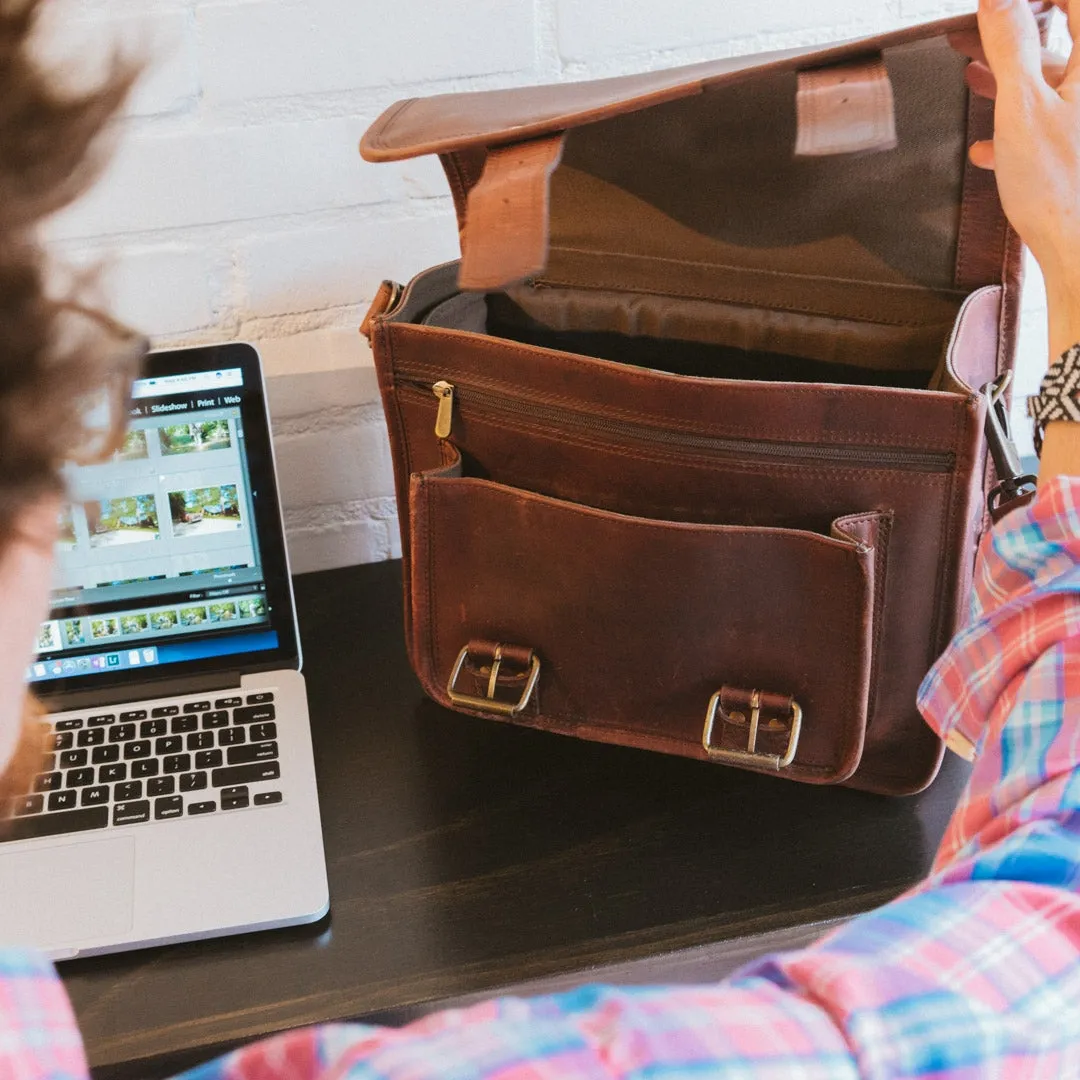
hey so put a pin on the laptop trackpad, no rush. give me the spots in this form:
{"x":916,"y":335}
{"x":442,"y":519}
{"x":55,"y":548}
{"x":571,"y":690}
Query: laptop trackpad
{"x":60,"y":896}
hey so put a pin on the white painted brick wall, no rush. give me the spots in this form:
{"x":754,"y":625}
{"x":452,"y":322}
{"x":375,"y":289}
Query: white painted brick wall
{"x":238,"y":207}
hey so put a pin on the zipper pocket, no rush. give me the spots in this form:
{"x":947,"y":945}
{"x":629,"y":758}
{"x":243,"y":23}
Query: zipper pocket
{"x":452,"y":395}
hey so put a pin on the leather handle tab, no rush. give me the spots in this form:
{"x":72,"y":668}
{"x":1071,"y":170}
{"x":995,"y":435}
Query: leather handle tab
{"x":506,"y":217}
{"x":845,"y":109}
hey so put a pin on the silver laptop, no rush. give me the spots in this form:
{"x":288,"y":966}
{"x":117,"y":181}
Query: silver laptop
{"x":178,"y":798}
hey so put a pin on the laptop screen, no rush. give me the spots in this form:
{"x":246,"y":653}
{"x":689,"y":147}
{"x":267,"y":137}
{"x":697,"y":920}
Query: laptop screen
{"x":170,"y":557}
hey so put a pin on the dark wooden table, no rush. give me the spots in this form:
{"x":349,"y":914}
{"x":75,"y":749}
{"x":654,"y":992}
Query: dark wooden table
{"x":467,"y":856}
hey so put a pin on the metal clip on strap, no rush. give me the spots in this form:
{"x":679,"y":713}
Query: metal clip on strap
{"x":1014,"y":486}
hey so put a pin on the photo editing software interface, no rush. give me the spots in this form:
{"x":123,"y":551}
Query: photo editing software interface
{"x":158,"y":558}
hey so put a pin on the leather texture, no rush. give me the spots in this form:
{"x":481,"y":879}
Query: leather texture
{"x":694,"y":455}
{"x":508,"y":207}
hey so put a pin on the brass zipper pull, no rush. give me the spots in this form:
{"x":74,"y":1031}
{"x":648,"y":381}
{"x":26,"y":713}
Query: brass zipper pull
{"x":444,"y":391}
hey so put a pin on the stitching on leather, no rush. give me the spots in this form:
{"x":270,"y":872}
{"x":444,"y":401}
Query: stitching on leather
{"x":681,"y":457}
{"x":588,"y":364}
{"x":945,"y":535}
{"x":881,"y":569}
{"x":393,"y":114}
{"x":768,"y":468}
{"x":452,"y":169}
{"x":756,"y":271}
{"x":857,"y":313}
{"x":433,"y":636}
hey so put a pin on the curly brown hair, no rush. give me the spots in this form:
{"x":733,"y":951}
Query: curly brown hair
{"x":56,"y":358}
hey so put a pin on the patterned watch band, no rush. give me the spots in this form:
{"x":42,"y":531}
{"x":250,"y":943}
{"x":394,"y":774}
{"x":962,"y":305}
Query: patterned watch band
{"x":1059,"y":394}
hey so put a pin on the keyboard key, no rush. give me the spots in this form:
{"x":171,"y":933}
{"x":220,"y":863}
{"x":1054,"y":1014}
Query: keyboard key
{"x":260,"y":699}
{"x":49,"y":781}
{"x":170,"y":744}
{"x":145,"y":767}
{"x":255,"y":714}
{"x":193,"y":781}
{"x":110,"y":774}
{"x":245,"y":774}
{"x":228,"y":702}
{"x":170,"y":807}
{"x":62,"y":740}
{"x":63,"y":800}
{"x":94,"y":736}
{"x":161,"y":785}
{"x":165,"y":710}
{"x":215,"y":719}
{"x":202,"y":808}
{"x":95,"y":796}
{"x":242,"y":755}
{"x":234,"y":798}
{"x":200,"y":740}
{"x":27,"y":828}
{"x":131,"y":813}
{"x":150,"y":729}
{"x":67,"y":725}
{"x":231,"y":736}
{"x":197,"y":706}
{"x":28,"y":804}
{"x":264,"y":798}
{"x":122,"y":733}
{"x":129,"y":791}
{"x":79,"y":777}
{"x":103,"y":755}
{"x":177,"y":763}
{"x":182,"y":724}
{"x":139,"y":749}
{"x":262,"y":732}
{"x":73,"y":759}
{"x":209,"y":759}
{"x":102,"y":719}
{"x":133,"y":714}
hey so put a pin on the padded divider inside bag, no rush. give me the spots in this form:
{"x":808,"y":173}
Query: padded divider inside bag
{"x":638,"y":622}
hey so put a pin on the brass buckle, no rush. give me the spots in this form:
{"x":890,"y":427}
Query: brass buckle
{"x":751,"y":755}
{"x":489,"y":703}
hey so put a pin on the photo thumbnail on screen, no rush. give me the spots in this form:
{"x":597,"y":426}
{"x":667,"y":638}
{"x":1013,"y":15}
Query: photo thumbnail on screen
{"x":192,"y":616}
{"x":194,"y":438}
{"x":129,"y":519}
{"x":198,"y":511}
{"x":134,"y":447}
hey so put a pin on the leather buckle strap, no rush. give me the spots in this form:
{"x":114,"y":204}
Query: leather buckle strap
{"x":723,"y":704}
{"x":492,"y":657}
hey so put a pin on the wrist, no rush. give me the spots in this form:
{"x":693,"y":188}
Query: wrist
{"x":1063,"y":313}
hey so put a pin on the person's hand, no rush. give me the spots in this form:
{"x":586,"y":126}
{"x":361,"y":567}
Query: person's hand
{"x":1035,"y":151}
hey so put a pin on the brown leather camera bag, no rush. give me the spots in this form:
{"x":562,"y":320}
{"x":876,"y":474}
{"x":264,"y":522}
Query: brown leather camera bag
{"x":689,"y":446}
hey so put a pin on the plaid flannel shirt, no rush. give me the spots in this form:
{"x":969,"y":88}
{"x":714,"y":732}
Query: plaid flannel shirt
{"x":975,"y":972}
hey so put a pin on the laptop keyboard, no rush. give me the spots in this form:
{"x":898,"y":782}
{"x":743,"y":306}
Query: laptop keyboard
{"x":161,"y":762}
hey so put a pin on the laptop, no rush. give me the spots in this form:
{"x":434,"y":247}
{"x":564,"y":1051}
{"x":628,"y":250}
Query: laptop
{"x":178,"y":798}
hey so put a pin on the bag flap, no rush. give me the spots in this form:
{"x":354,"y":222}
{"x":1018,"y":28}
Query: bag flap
{"x":687,"y":182}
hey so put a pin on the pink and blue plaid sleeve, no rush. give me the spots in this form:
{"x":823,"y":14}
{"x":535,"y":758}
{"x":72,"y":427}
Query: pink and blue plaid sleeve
{"x":38,"y":1036}
{"x":974,"y":973}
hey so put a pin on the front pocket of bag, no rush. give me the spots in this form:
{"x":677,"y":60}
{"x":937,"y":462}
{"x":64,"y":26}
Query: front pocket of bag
{"x":638,"y":622}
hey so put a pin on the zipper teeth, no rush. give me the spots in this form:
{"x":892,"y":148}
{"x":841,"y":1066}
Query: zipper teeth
{"x":929,"y":461}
